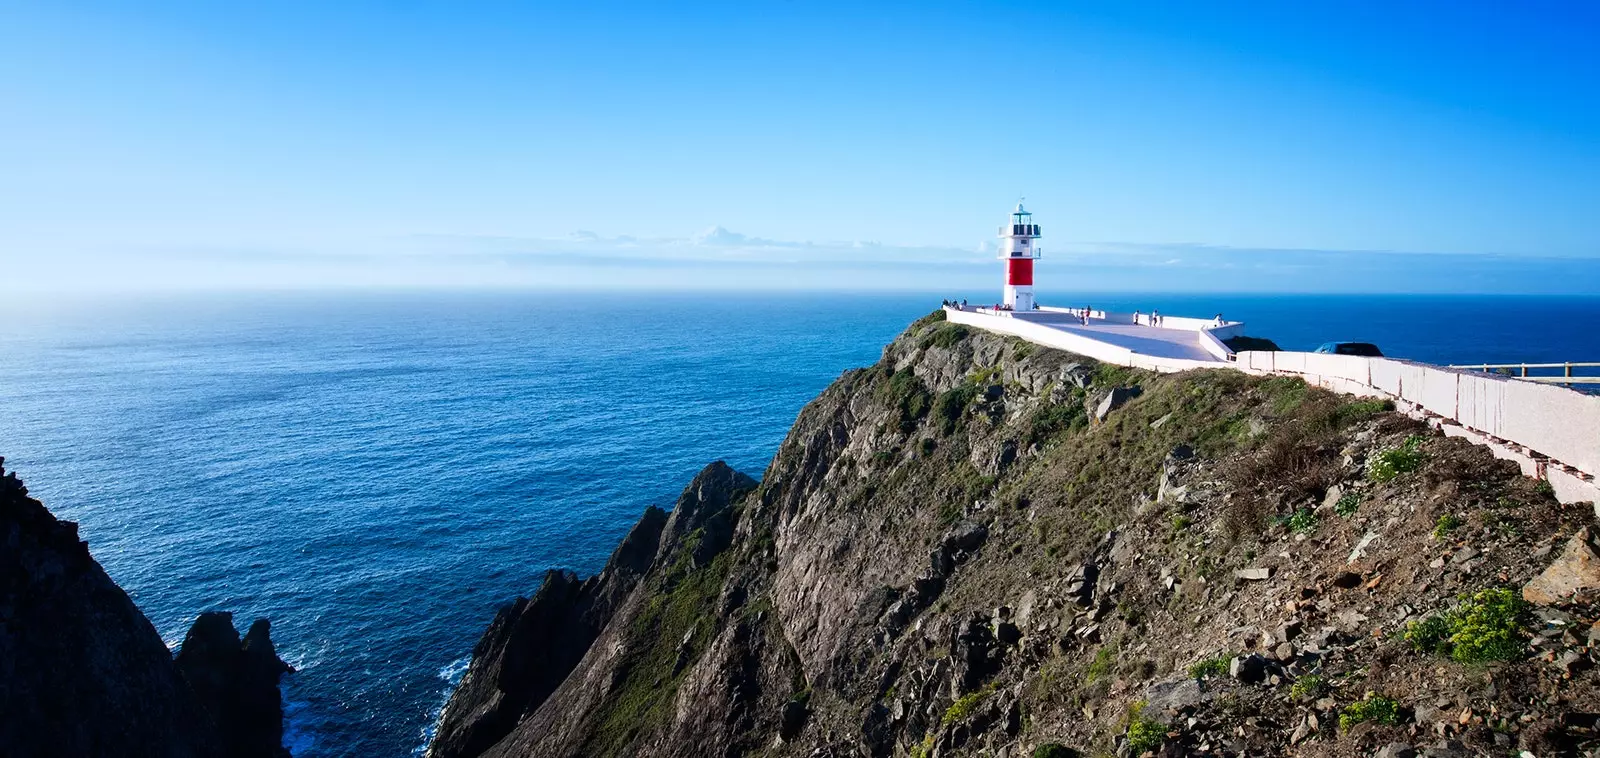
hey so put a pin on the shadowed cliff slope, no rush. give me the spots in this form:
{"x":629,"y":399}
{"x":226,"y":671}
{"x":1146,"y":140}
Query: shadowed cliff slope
{"x":980,"y":546}
{"x":83,"y":672}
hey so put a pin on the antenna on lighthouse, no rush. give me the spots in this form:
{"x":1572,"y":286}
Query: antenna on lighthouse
{"x":1019,"y":252}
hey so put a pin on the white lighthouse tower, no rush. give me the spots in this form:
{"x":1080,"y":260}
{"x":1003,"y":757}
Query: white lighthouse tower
{"x":1019,"y":250}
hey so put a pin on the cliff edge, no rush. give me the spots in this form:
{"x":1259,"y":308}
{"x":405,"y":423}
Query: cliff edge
{"x":83,"y":672}
{"x":979,"y":546}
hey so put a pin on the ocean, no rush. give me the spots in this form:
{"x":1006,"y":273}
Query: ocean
{"x":377,"y":472}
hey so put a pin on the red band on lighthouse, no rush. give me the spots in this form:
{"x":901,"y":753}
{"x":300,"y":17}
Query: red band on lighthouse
{"x":1019,"y":272}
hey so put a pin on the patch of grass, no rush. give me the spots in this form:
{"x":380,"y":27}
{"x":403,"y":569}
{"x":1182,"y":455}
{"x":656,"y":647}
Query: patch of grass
{"x":1056,"y":418}
{"x":1447,"y":523}
{"x":1348,"y":505}
{"x":1217,"y":666}
{"x":1486,"y":626}
{"x":946,"y":336}
{"x":1388,"y":465}
{"x":965,"y":706}
{"x":1181,"y":522}
{"x":1307,"y":687}
{"x":1105,"y":659}
{"x":1544,"y":487}
{"x":1361,"y":410}
{"x":1303,"y":521}
{"x":1373,"y":708}
{"x":1021,"y":349}
{"x":927,"y":445}
{"x":906,"y":393}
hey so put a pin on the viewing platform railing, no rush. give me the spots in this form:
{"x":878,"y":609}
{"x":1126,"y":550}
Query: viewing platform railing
{"x":1520,"y":371}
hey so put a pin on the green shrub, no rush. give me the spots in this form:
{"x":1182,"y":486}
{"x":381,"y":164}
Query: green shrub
{"x":1144,"y":735}
{"x":1486,"y":626}
{"x":1217,"y":666}
{"x":951,"y":404}
{"x":1303,"y":521}
{"x":1430,"y":635}
{"x":1347,"y":505}
{"x":927,"y":445}
{"x":1374,"y":708}
{"x":1307,"y":687}
{"x":1447,"y":523}
{"x":1544,"y":487}
{"x":1056,"y":418}
{"x":1053,"y":750}
{"x":1181,"y":522}
{"x":905,"y":392}
{"x":1389,"y":464}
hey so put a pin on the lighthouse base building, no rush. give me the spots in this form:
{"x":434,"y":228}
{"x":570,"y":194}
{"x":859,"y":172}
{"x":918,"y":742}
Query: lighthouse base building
{"x":1115,"y":337}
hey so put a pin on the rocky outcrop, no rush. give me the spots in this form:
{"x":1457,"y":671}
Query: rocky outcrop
{"x":236,"y":681}
{"x":84,"y":673}
{"x":949,"y":555}
{"x":532,"y":646}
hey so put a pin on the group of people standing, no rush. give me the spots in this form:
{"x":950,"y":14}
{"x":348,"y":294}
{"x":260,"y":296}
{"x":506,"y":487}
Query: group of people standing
{"x":1155,"y":318}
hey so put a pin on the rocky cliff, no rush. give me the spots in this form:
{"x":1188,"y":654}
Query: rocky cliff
{"x":84,"y":673}
{"x":982,"y":547}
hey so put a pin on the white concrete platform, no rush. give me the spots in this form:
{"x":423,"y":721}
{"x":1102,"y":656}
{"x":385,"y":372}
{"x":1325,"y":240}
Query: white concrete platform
{"x":1154,"y":341}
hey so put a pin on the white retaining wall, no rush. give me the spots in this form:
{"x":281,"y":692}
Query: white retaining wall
{"x":1552,"y":432}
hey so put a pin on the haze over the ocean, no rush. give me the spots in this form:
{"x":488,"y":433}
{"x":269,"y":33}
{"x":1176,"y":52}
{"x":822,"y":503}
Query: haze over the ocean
{"x":1417,"y":147}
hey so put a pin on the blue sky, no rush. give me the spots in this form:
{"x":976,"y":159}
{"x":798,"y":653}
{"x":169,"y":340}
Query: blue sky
{"x":1233,"y":146}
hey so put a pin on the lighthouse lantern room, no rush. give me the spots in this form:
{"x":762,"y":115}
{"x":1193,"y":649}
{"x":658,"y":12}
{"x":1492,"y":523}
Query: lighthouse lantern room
{"x":1019,"y":248}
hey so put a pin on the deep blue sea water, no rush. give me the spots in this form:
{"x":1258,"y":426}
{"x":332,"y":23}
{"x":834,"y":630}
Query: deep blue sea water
{"x":378,"y":472}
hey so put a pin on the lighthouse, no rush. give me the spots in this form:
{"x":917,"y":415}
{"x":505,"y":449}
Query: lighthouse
{"x":1019,"y":249}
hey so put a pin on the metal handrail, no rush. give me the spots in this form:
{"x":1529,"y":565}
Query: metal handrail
{"x":1567,"y":377}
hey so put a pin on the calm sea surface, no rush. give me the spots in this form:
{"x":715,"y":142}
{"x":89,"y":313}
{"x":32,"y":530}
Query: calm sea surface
{"x":377,"y":473}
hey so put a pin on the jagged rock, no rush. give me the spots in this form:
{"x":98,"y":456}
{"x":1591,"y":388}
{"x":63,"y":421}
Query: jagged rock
{"x":1077,"y":375}
{"x":793,"y":719}
{"x":1081,"y":584}
{"x":532,"y":645}
{"x":967,"y":536}
{"x":82,"y":671}
{"x":1116,"y":398}
{"x":236,"y":681}
{"x":1575,"y":573}
{"x":1397,"y":750}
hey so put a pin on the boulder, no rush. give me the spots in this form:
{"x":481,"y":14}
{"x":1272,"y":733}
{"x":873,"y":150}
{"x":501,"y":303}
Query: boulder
{"x":1116,"y":398}
{"x":1576,"y":572}
{"x":1397,"y":750}
{"x":1250,"y":669}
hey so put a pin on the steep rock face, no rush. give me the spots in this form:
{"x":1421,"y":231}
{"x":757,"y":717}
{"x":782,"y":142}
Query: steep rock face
{"x":236,"y":681}
{"x":533,"y":646}
{"x":82,"y":671}
{"x":950,"y":556}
